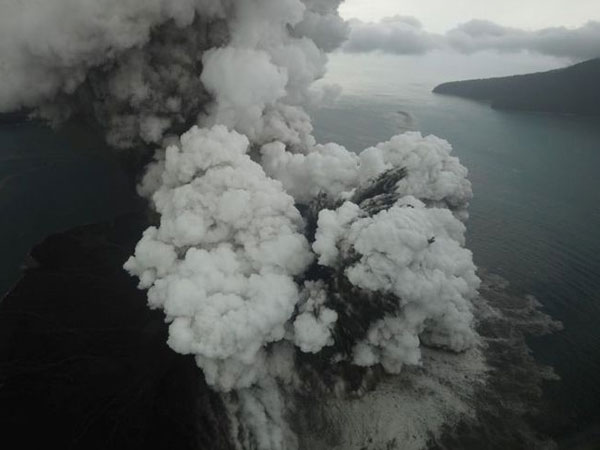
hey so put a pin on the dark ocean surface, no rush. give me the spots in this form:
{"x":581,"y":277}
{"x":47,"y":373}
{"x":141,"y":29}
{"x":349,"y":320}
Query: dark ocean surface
{"x":51,"y":181}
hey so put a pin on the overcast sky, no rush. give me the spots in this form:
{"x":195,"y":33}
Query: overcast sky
{"x":441,"y":15}
{"x":559,"y":28}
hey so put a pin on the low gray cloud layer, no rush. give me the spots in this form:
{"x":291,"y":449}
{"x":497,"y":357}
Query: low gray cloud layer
{"x":400,"y":34}
{"x":406,"y":36}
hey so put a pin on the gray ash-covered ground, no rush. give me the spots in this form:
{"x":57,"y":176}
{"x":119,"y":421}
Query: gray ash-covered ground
{"x":486,"y":398}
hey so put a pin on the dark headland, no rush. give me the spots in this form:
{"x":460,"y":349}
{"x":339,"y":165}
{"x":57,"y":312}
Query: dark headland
{"x":571,"y":90}
{"x":84,"y":363}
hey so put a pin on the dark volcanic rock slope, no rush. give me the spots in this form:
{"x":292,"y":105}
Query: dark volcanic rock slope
{"x":84,"y":363}
{"x":572,"y":90}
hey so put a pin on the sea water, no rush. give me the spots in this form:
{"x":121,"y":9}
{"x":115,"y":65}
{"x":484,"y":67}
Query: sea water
{"x":535,"y":216}
{"x":51,"y":181}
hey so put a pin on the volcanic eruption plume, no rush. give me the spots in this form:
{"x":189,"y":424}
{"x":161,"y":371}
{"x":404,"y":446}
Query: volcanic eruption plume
{"x":284,"y":266}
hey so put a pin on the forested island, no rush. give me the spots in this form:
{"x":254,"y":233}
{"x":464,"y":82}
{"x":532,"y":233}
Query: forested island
{"x":571,"y":90}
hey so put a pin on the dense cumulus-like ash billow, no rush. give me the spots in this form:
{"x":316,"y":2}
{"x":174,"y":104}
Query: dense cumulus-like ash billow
{"x":287,"y":268}
{"x":250,"y":286}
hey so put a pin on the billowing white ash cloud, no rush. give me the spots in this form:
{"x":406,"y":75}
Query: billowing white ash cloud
{"x":137,"y":68}
{"x":223,"y":260}
{"x":273,"y":255}
{"x":374,"y":268}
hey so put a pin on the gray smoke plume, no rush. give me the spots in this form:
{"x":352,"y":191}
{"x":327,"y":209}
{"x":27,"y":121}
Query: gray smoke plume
{"x":284,"y":266}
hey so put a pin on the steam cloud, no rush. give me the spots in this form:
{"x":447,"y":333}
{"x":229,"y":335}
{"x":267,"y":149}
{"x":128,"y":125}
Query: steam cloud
{"x":406,"y":36}
{"x":273,"y":254}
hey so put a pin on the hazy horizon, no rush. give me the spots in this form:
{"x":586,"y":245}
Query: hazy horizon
{"x":440,"y":16}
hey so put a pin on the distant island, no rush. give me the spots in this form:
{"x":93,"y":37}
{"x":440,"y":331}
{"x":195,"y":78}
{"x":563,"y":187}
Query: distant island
{"x":572,"y":90}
